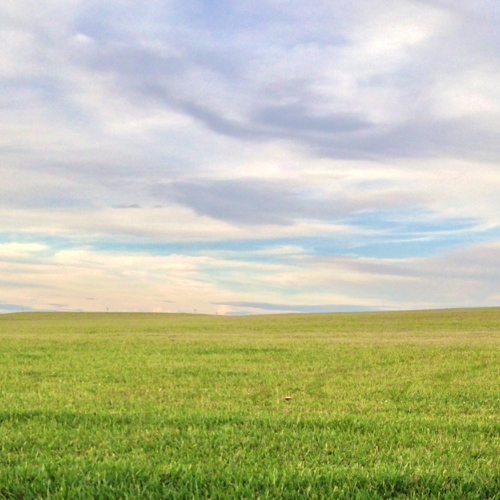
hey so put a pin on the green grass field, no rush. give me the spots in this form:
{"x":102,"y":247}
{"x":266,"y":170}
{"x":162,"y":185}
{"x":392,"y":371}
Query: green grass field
{"x":383,"y":405}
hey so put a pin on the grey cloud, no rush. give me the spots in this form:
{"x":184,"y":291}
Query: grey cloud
{"x":478,"y":262}
{"x":321,"y":308}
{"x":254,"y":201}
{"x":465,"y":276}
{"x":137,"y":64}
{"x":298,"y":118}
{"x":221,"y":124}
{"x":458,"y":138}
{"x":122,"y":206}
{"x":15,"y":308}
{"x":474,"y":262}
{"x":351,"y":137}
{"x":248,"y":201}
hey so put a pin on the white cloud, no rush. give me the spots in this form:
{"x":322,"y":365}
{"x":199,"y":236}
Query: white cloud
{"x":137,"y":281}
{"x":20,"y":251}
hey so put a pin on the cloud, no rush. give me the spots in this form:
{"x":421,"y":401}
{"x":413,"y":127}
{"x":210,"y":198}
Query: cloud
{"x":264,"y":306}
{"x":181,"y":149}
{"x":14,"y":308}
{"x":226,"y":282}
{"x":256,"y":201}
{"x":298,"y":118}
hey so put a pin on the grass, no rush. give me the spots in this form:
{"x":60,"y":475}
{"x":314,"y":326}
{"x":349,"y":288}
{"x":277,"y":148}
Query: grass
{"x":383,"y":405}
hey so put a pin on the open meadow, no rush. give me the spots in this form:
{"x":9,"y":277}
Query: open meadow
{"x":357,"y":405}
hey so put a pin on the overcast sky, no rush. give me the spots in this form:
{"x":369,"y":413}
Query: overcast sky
{"x":249,"y":157}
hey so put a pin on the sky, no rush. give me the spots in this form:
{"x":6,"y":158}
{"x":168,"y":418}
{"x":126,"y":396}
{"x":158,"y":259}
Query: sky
{"x":228,"y":157}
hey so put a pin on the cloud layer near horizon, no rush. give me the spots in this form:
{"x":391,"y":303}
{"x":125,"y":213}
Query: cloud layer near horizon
{"x":267,"y":156}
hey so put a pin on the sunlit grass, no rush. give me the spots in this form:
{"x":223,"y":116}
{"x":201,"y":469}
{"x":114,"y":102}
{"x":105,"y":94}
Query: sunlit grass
{"x":297,"y":406}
